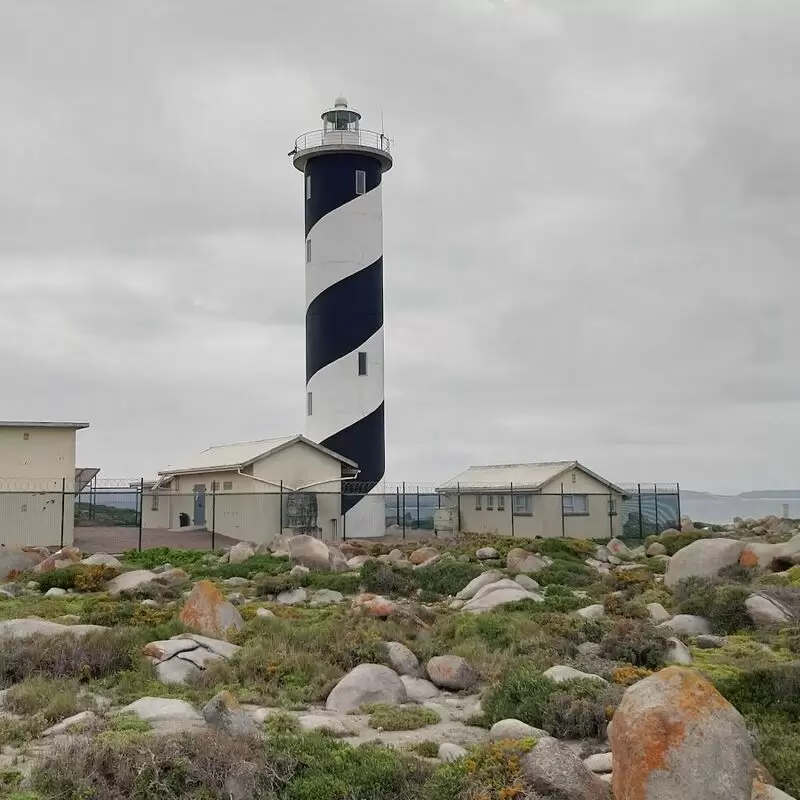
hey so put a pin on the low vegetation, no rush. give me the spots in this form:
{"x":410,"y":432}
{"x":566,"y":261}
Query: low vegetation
{"x":399,"y":718}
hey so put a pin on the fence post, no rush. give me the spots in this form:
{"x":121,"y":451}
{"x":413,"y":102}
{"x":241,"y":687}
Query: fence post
{"x":511,"y":503}
{"x":417,"y":506}
{"x":458,"y":507}
{"x":563,"y":518}
{"x":678,"y":494}
{"x":641,"y":521}
{"x":213,"y":513}
{"x":280,"y":513}
{"x":655,"y":503}
{"x":344,"y":527}
{"x":404,"y":509}
{"x":141,"y":510}
{"x":63,"y":506}
{"x":610,"y":514}
{"x":397,"y":504}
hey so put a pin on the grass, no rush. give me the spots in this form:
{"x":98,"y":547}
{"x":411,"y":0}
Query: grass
{"x":399,"y":718}
{"x":52,"y":700}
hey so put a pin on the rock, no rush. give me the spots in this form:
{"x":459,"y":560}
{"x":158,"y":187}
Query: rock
{"x":451,"y":672}
{"x":705,"y":641}
{"x":395,"y":556}
{"x":591,"y":649}
{"x":163,"y":710}
{"x":677,"y":652}
{"x":356,"y":562}
{"x":601,"y":553}
{"x":149,"y":603}
{"x":55,"y":591}
{"x":772,"y":556}
{"x":455,"y":605}
{"x":200,"y":657}
{"x":704,"y":558}
{"x":449,"y":752}
{"x":325,"y":597}
{"x":499,"y":596}
{"x":764,"y":611}
{"x":519,"y":560}
{"x":338,"y":561}
{"x":527,"y":583}
{"x":514,"y":729}
{"x":675,"y":737}
{"x":656,"y":549}
{"x":84,"y":718}
{"x":553,"y":769}
{"x":69,"y":619}
{"x":65,"y":557}
{"x":101,"y":560}
{"x":614,"y":560}
{"x":235,"y":583}
{"x":240,"y":552}
{"x":225,"y":713}
{"x":176,"y":671}
{"x":423,"y":554}
{"x":594,"y":611}
{"x":763,"y":791}
{"x":168,"y":648}
{"x":314,"y":554}
{"x":657,"y":613}
{"x":418,"y":689}
{"x":264,"y":612}
{"x":207,"y":611}
{"x":367,"y":683}
{"x":484,"y":579}
{"x":130,"y":580}
{"x":560,"y":673}
{"x":689,"y":624}
{"x":292,"y":597}
{"x":164,"y":568}
{"x":616,"y":547}
{"x":486,"y":553}
{"x":599,"y":762}
{"x":430,"y":562}
{"x":687,"y":526}
{"x":319,"y":722}
{"x":221,"y":648}
{"x":298,"y":571}
{"x":22,"y":628}
{"x":13,"y":589}
{"x":401,"y":659}
{"x":637,"y":552}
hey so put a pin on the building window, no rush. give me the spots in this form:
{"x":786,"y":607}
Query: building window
{"x":309,"y":404}
{"x":154,"y":501}
{"x":308,"y":251}
{"x":361,"y":181}
{"x":478,"y":502}
{"x":308,"y":187}
{"x":362,"y":363}
{"x":490,"y":503}
{"x":26,"y":436}
{"x":574,"y":477}
{"x":501,"y":502}
{"x":523,"y":504}
{"x":227,"y":486}
{"x":612,"y":507}
{"x":575,"y":504}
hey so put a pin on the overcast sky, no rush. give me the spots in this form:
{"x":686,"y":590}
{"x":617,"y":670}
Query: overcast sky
{"x":592,"y":227}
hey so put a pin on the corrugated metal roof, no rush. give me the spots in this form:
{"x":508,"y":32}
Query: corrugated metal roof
{"x":528,"y":476}
{"x":239,"y":454}
{"x":522,"y":476}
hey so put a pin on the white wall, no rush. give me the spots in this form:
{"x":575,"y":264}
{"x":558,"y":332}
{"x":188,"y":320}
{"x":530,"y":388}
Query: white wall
{"x":32,"y":472}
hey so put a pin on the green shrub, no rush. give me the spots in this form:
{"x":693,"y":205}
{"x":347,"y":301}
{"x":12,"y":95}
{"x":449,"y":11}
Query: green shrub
{"x":113,"y":614}
{"x":677,"y":541}
{"x":572,"y":709}
{"x":275,"y":584}
{"x":156,"y":556}
{"x":399,"y":718}
{"x":567,"y":572}
{"x":94,"y":577}
{"x":446,"y":577}
{"x":67,"y":656}
{"x":723,"y":606}
{"x":490,"y":772}
{"x":57,"y":579}
{"x":386,"y":580}
{"x":634,"y":641}
{"x":344,"y":582}
{"x":777,"y":746}
{"x":16,"y":731}
{"x":425,"y":749}
{"x":53,"y":700}
{"x":576,"y":549}
{"x":280,"y":723}
{"x":266,"y":564}
{"x":128,"y":722}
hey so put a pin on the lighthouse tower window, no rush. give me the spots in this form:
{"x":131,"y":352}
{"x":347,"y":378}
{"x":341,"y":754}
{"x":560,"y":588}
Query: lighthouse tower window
{"x":361,"y":181}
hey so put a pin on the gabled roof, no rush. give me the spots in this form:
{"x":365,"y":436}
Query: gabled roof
{"x":236,"y":456}
{"x":521,"y":476}
{"x":75,"y":426}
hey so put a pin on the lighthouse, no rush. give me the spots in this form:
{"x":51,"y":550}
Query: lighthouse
{"x":343,"y":166}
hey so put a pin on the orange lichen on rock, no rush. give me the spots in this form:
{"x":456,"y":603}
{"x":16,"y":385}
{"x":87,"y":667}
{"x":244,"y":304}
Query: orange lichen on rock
{"x":206,"y":610}
{"x":664,"y":736}
{"x":748,"y":558}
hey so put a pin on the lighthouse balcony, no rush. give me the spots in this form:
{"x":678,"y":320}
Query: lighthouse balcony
{"x":320,"y":142}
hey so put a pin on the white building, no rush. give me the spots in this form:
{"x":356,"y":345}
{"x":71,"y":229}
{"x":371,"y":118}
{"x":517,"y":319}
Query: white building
{"x":37,"y":482}
{"x":547,"y":499}
{"x":253,"y":491}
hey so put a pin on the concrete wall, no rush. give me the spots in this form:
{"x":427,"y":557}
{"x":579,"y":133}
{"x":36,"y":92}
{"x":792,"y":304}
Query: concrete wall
{"x":545,"y":518}
{"x":251,"y":509}
{"x":32,"y":472}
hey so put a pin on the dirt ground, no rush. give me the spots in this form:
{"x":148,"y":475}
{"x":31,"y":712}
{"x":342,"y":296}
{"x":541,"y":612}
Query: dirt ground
{"x":119,"y":539}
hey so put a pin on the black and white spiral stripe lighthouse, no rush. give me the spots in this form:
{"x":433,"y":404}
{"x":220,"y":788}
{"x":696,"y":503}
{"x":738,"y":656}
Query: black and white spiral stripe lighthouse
{"x":343,"y":165}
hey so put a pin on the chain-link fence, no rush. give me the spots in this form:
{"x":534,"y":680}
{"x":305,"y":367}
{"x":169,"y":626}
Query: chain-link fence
{"x":117,"y":515}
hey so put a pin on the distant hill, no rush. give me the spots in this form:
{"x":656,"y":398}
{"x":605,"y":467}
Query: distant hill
{"x":721,"y":508}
